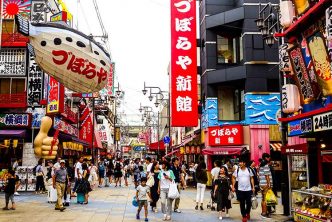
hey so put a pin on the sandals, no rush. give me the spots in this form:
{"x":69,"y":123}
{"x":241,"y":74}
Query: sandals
{"x":5,"y":208}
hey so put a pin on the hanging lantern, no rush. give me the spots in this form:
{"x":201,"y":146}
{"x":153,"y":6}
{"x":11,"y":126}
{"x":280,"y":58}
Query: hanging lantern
{"x":193,"y":150}
{"x":290,"y":98}
{"x":71,"y":57}
{"x":198,"y":150}
{"x":187,"y":149}
{"x":15,"y":142}
{"x":182,"y":151}
{"x":287,"y":13}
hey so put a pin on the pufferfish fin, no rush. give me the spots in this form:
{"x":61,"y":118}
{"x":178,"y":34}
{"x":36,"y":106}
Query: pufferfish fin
{"x":22,"y":25}
{"x":31,"y":50}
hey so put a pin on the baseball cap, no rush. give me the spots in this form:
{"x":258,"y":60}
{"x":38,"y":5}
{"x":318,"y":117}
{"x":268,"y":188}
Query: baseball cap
{"x":62,"y":161}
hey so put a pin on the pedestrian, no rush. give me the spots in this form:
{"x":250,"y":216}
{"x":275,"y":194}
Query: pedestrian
{"x":265,"y":182}
{"x":85,"y":185}
{"x":252,"y":166}
{"x":184,"y":175}
{"x":141,"y":195}
{"x":118,"y":172}
{"x":136,"y":171}
{"x":149,"y":164}
{"x":59,"y":183}
{"x":57,"y":165}
{"x":201,"y":178}
{"x":93,"y":179}
{"x":126,"y":172}
{"x":40,"y":185}
{"x":10,"y":190}
{"x":175,"y":167}
{"x":165,"y":177}
{"x":109,"y":173}
{"x":70,"y":175}
{"x":246,"y":188}
{"x":215,"y":171}
{"x":222,"y":190}
{"x":155,"y":169}
{"x":101,"y":173}
{"x":78,"y":173}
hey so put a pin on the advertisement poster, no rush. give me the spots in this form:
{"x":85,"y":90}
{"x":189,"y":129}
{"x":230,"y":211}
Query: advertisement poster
{"x":15,"y":119}
{"x":183,"y":76}
{"x":55,"y":97}
{"x":14,"y":7}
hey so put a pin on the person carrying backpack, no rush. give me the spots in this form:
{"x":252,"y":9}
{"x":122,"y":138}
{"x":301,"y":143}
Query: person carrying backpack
{"x":246,"y":188}
{"x":118,"y":172}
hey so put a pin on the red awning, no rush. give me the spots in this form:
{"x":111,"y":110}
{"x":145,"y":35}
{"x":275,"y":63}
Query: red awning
{"x":154,"y":146}
{"x":221,"y":150}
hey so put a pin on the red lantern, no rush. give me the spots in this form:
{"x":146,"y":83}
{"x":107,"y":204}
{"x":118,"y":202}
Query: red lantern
{"x":187,"y":149}
{"x":193,"y":149}
{"x":198,"y":150}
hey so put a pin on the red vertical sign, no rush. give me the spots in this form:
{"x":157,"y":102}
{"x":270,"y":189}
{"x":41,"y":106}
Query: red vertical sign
{"x":184,"y":106}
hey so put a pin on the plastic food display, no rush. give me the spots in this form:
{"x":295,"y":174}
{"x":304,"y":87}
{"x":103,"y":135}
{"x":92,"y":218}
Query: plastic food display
{"x":314,"y":204}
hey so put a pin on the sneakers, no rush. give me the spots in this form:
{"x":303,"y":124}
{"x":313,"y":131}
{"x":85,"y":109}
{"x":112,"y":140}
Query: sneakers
{"x":177,"y":211}
{"x":220,"y":218}
{"x":16,"y":194}
{"x":137,"y":217}
{"x":265,"y":216}
{"x":227,"y":215}
{"x":244,"y":219}
{"x":155,"y":210}
{"x":62,"y":209}
{"x":196,"y":208}
{"x":201,"y":207}
{"x":146,"y":219}
{"x":248,"y":216}
{"x":168,"y":218}
{"x":165,"y":217}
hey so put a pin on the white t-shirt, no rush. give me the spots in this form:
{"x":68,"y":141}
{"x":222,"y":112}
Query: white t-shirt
{"x":57,"y":165}
{"x":79,"y":167}
{"x":148,"y":168}
{"x":243,"y":178}
{"x":215,"y":173}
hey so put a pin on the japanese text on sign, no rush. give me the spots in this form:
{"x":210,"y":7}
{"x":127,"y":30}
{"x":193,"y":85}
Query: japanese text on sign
{"x":227,"y":135}
{"x":183,"y":63}
{"x":78,"y":65}
{"x":9,"y":120}
{"x":35,"y":83}
{"x":322,"y":122}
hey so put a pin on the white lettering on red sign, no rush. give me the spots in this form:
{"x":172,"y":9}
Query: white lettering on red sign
{"x":183,"y":73}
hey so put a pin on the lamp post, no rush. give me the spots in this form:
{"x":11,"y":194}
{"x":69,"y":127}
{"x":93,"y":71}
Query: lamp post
{"x":115,"y":99}
{"x":160,"y":92}
{"x":268,"y":26}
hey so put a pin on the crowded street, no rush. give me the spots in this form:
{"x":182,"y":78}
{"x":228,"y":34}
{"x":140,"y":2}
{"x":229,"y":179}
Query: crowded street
{"x":110,"y":204}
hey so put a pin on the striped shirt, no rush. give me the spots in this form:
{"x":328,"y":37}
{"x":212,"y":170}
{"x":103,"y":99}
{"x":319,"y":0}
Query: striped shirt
{"x":263,"y":172}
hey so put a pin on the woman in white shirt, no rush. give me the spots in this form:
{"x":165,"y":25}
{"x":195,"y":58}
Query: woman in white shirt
{"x":165,"y":177}
{"x":93,"y":178}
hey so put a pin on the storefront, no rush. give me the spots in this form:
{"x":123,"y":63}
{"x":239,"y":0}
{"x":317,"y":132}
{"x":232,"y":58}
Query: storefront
{"x":13,"y":134}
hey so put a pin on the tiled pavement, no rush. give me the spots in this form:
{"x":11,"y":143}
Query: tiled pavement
{"x":114,"y":204}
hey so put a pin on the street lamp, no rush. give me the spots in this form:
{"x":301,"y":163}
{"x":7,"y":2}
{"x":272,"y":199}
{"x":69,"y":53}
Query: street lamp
{"x":269,"y":26}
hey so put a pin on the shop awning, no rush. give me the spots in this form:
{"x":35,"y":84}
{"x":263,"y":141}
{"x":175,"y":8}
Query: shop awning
{"x":221,"y":150}
{"x":12,"y":133}
{"x":186,"y":139}
{"x":276,"y":146}
{"x":77,"y":140}
{"x":154,"y":146}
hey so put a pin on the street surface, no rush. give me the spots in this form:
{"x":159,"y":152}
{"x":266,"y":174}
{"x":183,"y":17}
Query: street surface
{"x":114,"y":204}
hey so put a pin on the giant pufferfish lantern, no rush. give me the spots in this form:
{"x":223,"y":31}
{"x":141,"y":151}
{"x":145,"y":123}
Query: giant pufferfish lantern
{"x":71,"y":57}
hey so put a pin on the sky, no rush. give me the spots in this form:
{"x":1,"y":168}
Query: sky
{"x":139,"y":41}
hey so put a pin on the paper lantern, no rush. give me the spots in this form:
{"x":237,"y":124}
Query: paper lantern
{"x":71,"y":57}
{"x":198,"y":150}
{"x":193,"y":150}
{"x":182,"y":151}
{"x":290,"y":98}
{"x":287,"y":13}
{"x":187,"y":149}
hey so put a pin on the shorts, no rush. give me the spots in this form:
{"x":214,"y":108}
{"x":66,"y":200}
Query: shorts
{"x":264,"y":190}
{"x":142,"y":203}
{"x":135,"y":178}
{"x":10,"y":197}
{"x":101,"y":174}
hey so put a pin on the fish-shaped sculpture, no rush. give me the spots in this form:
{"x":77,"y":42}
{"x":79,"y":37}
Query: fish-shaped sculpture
{"x":71,"y":57}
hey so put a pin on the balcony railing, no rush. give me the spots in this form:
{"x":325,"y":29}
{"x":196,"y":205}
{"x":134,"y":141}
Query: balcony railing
{"x":18,"y":100}
{"x":14,"y":39}
{"x":69,"y":114}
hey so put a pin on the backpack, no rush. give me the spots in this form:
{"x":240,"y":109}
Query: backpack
{"x":34,"y":170}
{"x":118,"y":166}
{"x":101,"y":167}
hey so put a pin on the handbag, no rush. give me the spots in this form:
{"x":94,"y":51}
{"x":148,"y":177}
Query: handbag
{"x":254,"y":202}
{"x":173,"y":192}
{"x":230,"y":195}
{"x":150,"y":181}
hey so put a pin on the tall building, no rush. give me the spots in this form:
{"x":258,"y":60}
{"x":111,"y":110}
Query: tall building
{"x":239,"y":81}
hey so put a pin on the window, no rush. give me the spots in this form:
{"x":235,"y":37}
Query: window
{"x":12,"y":85}
{"x":227,"y":49}
{"x":231,"y":104}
